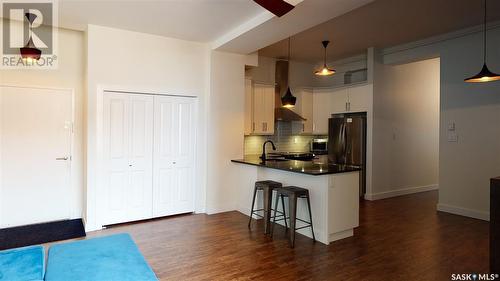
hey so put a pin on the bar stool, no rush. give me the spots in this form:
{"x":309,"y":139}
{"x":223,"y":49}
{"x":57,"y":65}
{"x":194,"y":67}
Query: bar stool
{"x":267,"y":188}
{"x":293,"y":192}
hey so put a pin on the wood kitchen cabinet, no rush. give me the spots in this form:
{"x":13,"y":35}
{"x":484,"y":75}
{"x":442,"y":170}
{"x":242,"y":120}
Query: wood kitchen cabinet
{"x":263,"y":109}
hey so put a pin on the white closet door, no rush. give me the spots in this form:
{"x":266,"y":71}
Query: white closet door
{"x":128,"y":142}
{"x":173,"y":182}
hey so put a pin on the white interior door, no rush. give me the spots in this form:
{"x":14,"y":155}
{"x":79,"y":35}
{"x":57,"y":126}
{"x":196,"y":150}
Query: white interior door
{"x":128,"y":157}
{"x":173,"y":183}
{"x":35,"y":155}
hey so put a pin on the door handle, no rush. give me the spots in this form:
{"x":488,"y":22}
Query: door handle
{"x":62,"y":158}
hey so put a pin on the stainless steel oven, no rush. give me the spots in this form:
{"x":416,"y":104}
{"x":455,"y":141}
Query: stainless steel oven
{"x":319,"y":146}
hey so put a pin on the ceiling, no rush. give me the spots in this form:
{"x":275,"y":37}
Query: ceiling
{"x":383,"y":23}
{"x":193,"y":20}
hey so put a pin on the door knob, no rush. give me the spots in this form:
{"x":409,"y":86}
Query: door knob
{"x":62,"y":158}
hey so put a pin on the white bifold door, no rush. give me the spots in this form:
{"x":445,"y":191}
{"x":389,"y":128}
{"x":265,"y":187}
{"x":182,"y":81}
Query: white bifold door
{"x":173,"y":156}
{"x":148,"y":156}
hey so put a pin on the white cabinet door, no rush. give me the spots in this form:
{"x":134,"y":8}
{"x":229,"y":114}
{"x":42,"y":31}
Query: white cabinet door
{"x":269,"y":100}
{"x":173,"y":187}
{"x":128,"y":141}
{"x":304,"y":107}
{"x":248,"y":107}
{"x":359,"y":98}
{"x":263,"y":109}
{"x":339,"y":101}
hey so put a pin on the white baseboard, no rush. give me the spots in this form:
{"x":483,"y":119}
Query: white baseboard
{"x":464,"y":212}
{"x":400,"y":192}
{"x":340,"y":235}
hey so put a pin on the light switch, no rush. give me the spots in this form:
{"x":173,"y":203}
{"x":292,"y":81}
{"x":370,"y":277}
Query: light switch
{"x":451,"y":126}
{"x":452,"y":137}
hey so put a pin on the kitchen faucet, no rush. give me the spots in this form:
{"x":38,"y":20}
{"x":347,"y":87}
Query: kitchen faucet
{"x":263,"y":156}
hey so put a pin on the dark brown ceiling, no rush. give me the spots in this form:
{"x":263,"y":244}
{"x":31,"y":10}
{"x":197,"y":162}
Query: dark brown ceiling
{"x":384,"y":23}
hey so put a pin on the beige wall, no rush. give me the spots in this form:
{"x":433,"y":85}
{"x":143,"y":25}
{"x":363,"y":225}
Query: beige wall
{"x":131,"y":61}
{"x":68,"y":75}
{"x":225,"y":126}
{"x":405,"y":127}
{"x":466,"y":166}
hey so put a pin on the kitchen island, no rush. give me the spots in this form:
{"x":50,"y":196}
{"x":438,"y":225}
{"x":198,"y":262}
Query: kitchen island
{"x":334,"y":192}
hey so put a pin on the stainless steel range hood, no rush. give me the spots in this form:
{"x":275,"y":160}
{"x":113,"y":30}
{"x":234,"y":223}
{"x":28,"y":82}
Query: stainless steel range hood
{"x":281,"y":77}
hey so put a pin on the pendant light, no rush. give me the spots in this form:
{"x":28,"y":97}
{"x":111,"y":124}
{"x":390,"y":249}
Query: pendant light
{"x":288,"y":100}
{"x":30,"y":52}
{"x":325,"y":71}
{"x":485,"y":75}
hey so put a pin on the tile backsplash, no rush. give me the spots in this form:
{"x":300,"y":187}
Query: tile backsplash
{"x":284,"y":138}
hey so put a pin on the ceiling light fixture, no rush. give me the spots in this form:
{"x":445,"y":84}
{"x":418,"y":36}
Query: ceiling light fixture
{"x":325,"y":71}
{"x":288,"y":100}
{"x":30,"y":52}
{"x":485,"y":75}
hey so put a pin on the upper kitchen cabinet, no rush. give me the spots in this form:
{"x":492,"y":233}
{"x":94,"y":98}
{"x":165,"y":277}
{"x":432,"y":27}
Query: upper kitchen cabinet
{"x":248,"y":106}
{"x":359,"y":98}
{"x":304,"y":107}
{"x":328,"y":101}
{"x":263,"y":109}
{"x":325,"y":103}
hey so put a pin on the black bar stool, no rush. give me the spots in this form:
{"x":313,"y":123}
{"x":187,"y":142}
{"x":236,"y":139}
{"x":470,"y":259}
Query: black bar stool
{"x":267,"y":188}
{"x":293,"y":192}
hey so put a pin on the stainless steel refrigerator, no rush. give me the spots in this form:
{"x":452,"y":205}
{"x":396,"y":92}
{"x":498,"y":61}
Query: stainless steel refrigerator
{"x":347,"y":143}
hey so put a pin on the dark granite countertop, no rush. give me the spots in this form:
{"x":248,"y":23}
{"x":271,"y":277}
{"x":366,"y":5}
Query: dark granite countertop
{"x":316,"y":167}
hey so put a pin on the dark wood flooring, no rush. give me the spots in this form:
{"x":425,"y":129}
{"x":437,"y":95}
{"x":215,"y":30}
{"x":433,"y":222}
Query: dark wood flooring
{"x":401,"y":238}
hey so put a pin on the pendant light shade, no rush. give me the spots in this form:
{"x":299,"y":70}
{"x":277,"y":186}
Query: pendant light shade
{"x":288,"y":100}
{"x":30,"y":52}
{"x":325,"y":70}
{"x":485,"y":75}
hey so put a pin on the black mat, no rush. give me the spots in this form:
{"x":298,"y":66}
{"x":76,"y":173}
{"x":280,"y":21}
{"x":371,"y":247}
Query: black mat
{"x":34,"y":234}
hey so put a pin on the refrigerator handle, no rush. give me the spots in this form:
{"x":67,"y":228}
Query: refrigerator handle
{"x":344,"y":144}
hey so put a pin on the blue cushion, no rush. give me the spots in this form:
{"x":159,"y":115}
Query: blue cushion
{"x":109,"y":258}
{"x":22,"y":264}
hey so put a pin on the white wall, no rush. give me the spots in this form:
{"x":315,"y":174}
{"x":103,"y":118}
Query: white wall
{"x":466,"y":166}
{"x":225,"y":138}
{"x":125,"y":60}
{"x":68,"y":75}
{"x":405,"y":128}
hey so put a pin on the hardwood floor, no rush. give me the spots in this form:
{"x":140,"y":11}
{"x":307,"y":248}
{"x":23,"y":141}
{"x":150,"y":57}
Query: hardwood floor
{"x":401,"y":238}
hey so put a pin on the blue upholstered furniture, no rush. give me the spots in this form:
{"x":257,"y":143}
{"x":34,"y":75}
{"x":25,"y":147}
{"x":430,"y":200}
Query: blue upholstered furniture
{"x":109,"y":258}
{"x":22,"y":264}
